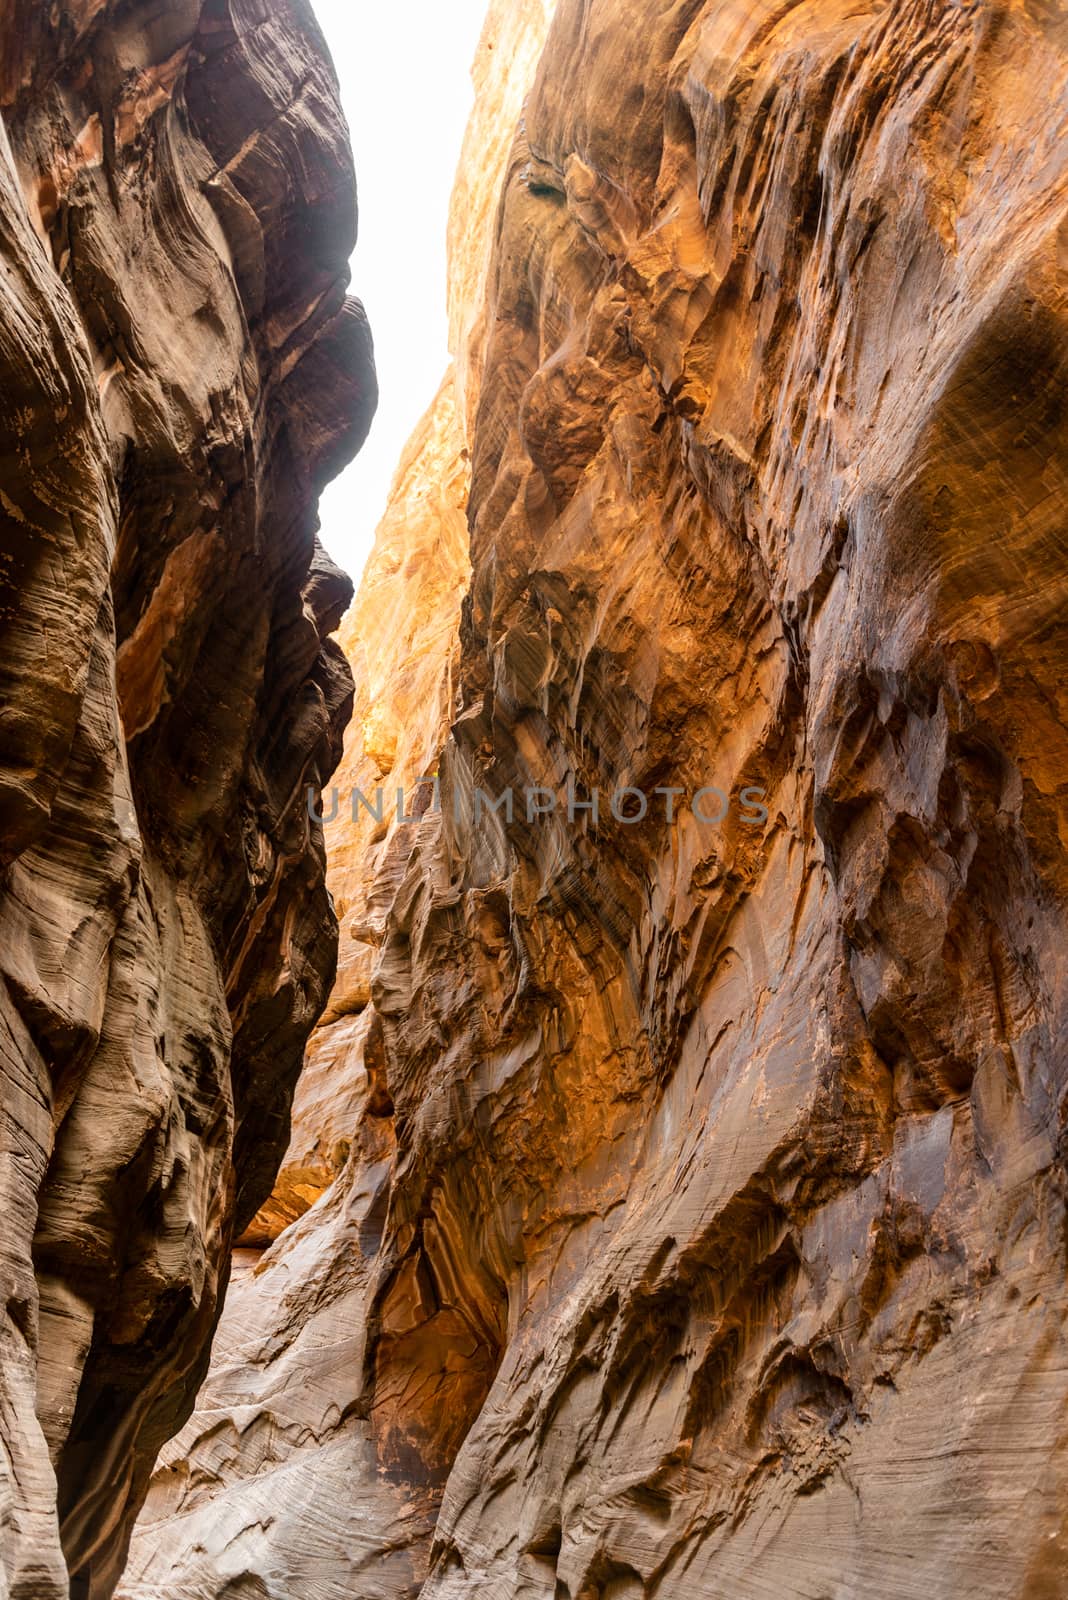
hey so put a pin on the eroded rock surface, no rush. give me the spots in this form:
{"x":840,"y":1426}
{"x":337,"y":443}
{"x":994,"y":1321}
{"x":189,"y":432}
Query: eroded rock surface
{"x":702,"y":1233}
{"x":180,"y":373}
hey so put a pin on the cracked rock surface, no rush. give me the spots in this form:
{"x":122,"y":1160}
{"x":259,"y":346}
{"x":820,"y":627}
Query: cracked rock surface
{"x":689,"y":1209}
{"x":181,"y":372}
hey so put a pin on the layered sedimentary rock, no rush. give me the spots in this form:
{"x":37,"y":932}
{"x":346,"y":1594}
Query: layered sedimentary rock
{"x":702,"y":1228}
{"x":180,"y":373}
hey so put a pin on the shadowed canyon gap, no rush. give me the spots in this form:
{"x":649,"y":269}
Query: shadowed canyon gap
{"x":180,"y":373}
{"x":671,"y":1212}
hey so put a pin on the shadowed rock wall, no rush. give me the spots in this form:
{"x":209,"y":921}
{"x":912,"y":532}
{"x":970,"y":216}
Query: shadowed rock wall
{"x":702,"y":1235}
{"x":180,"y":374}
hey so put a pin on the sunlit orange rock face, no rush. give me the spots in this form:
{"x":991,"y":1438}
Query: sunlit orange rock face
{"x":180,"y":373}
{"x":696,"y":1228}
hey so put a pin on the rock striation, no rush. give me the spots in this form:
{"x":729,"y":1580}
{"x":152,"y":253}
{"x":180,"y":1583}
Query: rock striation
{"x":180,"y":374}
{"x":700,"y":1229}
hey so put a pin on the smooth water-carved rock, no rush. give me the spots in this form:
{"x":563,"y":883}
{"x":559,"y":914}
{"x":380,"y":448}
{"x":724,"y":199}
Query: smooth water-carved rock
{"x":180,"y":373}
{"x":703,"y":1231}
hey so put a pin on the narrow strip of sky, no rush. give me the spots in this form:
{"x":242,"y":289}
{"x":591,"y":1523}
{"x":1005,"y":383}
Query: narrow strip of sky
{"x":406,"y":88}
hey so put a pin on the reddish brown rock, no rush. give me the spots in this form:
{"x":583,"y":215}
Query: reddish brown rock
{"x":180,"y":373}
{"x":705,"y":1233}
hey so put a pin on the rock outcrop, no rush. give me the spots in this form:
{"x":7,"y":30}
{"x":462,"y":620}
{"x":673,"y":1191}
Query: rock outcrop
{"x":180,"y":374}
{"x":701,"y":1228}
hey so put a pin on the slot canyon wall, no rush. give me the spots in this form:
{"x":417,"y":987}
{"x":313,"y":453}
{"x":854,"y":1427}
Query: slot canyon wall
{"x":677,"y":1212}
{"x":181,"y":372}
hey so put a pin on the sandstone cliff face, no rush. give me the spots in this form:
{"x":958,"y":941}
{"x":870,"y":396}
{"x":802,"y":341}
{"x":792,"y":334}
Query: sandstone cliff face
{"x":702,"y":1229}
{"x":180,"y":373}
